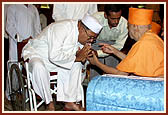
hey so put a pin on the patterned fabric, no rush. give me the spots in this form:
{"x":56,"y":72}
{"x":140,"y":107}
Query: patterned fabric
{"x":113,"y":93}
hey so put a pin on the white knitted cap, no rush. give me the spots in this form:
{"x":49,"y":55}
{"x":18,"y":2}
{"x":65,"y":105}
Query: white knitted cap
{"x":92,"y":23}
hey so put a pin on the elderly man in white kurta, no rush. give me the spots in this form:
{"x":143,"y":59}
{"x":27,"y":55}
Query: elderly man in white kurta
{"x":61,"y":47}
{"x":75,"y":12}
{"x":22,"y":20}
{"x":72,"y":11}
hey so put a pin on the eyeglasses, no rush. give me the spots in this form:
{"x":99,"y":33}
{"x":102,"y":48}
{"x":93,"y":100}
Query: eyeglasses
{"x":89,"y":37}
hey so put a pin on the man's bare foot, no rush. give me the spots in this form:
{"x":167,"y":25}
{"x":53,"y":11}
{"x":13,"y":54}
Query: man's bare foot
{"x":50,"y":106}
{"x":71,"y":106}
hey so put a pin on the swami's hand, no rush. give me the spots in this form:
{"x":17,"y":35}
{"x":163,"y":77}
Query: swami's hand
{"x":107,"y":48}
{"x":93,"y":59}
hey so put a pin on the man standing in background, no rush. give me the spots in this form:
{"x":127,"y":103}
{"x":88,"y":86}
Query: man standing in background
{"x":6,"y":43}
{"x":72,"y":11}
{"x":114,"y":32}
{"x":22,"y":21}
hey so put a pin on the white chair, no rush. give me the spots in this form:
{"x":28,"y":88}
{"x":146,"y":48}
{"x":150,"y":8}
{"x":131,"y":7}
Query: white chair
{"x":27,"y":92}
{"x":32,"y":95}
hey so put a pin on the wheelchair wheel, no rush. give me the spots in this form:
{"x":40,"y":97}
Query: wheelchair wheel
{"x":17,"y":90}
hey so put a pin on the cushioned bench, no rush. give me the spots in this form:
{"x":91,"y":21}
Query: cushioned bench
{"x":125,"y":93}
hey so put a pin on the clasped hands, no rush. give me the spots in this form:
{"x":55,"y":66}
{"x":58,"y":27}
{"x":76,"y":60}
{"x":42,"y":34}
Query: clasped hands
{"x":82,"y":54}
{"x":87,"y":53}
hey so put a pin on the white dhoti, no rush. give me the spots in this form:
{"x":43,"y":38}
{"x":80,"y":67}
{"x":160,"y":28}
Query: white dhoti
{"x":13,"y":49}
{"x":13,"y":57}
{"x":40,"y":79}
{"x":70,"y":84}
{"x":69,"y":87}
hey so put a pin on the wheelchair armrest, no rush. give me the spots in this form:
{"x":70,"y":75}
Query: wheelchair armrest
{"x":27,"y":61}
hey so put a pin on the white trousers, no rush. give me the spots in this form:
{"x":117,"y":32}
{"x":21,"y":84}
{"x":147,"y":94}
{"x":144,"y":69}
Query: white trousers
{"x":40,"y":79}
{"x":13,"y":55}
{"x":70,"y":84}
{"x":69,"y":81}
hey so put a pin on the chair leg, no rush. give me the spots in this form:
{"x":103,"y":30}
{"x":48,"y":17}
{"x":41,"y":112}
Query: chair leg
{"x":83,"y":102}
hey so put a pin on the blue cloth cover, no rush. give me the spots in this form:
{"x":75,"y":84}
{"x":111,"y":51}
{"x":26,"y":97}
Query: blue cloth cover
{"x":106,"y":93}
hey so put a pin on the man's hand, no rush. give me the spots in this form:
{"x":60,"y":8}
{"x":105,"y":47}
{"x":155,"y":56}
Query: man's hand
{"x":91,"y":54}
{"x":93,"y":59}
{"x":82,"y":54}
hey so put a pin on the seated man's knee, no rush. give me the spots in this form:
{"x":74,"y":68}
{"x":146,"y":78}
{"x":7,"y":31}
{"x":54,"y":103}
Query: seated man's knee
{"x":37,"y":64}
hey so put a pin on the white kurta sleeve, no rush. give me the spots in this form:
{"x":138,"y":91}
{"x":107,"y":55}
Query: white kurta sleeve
{"x":58,"y":12}
{"x":119,"y":44}
{"x":61,"y":47}
{"x":11,"y":21}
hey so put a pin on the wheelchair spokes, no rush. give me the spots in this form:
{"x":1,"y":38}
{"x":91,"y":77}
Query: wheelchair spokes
{"x":17,"y":90}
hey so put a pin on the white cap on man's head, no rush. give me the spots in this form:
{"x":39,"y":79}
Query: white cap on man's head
{"x":92,"y":23}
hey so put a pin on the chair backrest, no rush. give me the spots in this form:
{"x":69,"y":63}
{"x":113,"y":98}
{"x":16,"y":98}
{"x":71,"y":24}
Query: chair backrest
{"x":20,"y":46}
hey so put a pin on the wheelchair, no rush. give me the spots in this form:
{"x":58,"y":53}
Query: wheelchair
{"x":21,"y":92}
{"x":17,"y":87}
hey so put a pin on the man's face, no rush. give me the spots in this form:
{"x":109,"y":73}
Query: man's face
{"x":133,"y":33}
{"x":86,"y":36}
{"x":113,"y":18}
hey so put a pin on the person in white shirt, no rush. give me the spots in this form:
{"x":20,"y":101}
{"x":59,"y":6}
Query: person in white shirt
{"x":22,"y":20}
{"x":114,"y":32}
{"x":5,"y":19}
{"x":72,"y":11}
{"x":6,"y":44}
{"x":62,"y":47}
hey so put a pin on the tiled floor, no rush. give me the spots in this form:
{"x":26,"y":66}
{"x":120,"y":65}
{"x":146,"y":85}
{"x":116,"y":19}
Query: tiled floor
{"x":58,"y":105}
{"x":8,"y":107}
